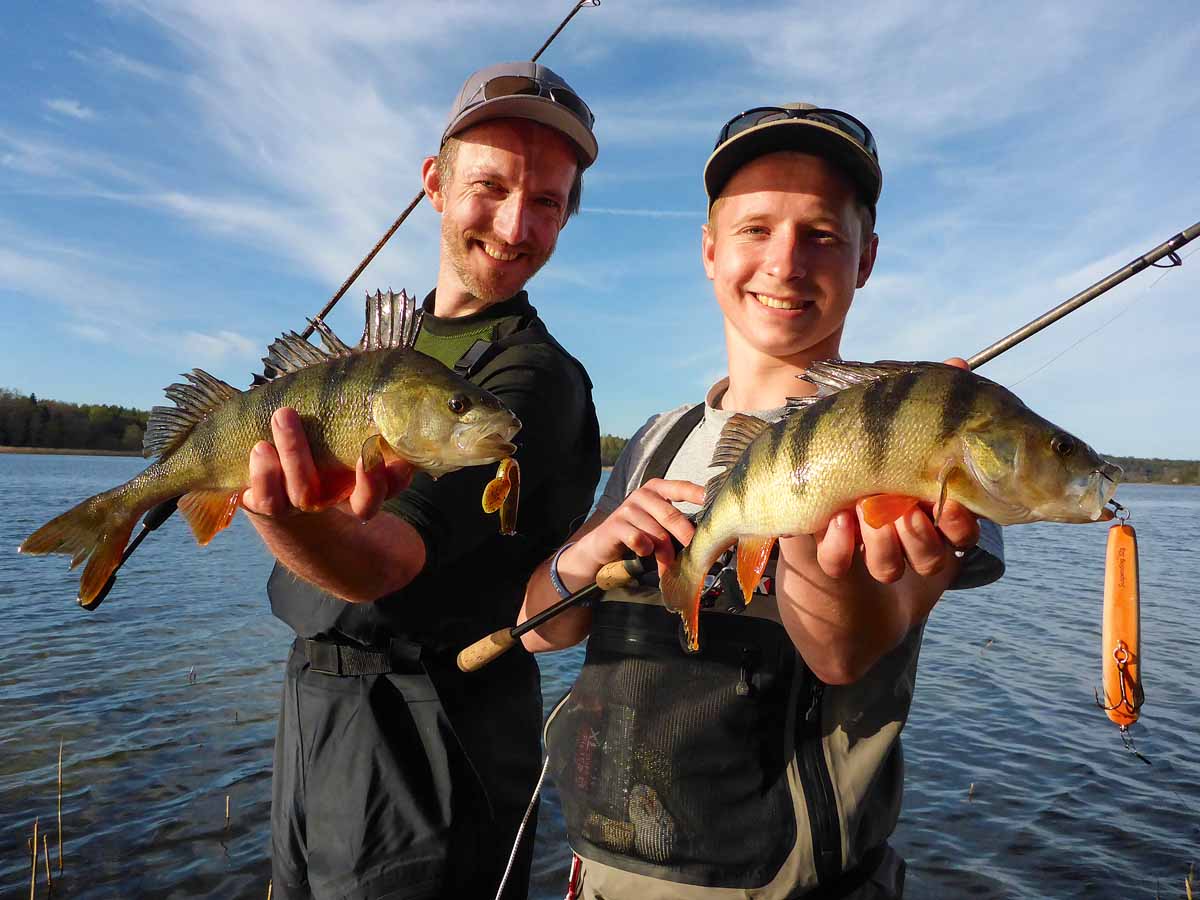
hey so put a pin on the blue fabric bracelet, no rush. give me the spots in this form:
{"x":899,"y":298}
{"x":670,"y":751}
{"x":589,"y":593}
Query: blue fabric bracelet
{"x":554,"y":579}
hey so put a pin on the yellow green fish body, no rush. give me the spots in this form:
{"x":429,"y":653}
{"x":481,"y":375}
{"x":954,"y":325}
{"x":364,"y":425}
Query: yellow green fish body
{"x":380,"y":400}
{"x":888,"y":431}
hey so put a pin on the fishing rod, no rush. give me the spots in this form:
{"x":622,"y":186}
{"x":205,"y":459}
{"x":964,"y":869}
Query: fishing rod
{"x":614,"y":575}
{"x":1168,"y":248}
{"x":623,"y":572}
{"x":163,"y":511}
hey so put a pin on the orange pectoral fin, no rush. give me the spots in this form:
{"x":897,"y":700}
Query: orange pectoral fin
{"x":1122,"y":628}
{"x":752,"y":556}
{"x":883,"y":509}
{"x":209,"y":511}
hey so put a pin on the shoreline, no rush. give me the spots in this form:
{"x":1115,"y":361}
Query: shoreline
{"x":60,"y":451}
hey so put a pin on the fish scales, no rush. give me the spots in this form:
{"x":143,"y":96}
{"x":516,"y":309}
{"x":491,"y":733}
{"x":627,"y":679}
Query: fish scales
{"x":910,"y":430}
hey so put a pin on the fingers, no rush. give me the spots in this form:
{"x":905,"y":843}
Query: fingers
{"x":883,"y":554}
{"x":959,"y":525}
{"x":300,"y":477}
{"x":265,"y":495}
{"x":645,"y":523}
{"x":837,"y":545}
{"x":957,"y":362}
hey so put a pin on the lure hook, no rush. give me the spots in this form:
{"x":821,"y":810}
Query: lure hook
{"x":1123,"y":658}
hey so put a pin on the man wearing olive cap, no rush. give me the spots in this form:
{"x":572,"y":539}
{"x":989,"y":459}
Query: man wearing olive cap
{"x":768,"y":765}
{"x":396,"y":775}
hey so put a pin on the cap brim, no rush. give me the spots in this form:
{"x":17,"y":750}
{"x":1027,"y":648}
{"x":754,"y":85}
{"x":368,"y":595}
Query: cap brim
{"x":801,"y":136}
{"x":536,"y":109}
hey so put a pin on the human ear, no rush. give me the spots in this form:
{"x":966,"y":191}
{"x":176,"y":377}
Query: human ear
{"x":431,"y":181}
{"x":708,"y":247}
{"x":866,"y":260}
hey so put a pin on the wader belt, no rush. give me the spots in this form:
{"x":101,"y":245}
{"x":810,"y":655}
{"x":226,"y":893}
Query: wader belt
{"x":350,"y":660}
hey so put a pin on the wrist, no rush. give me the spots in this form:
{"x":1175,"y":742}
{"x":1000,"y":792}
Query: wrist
{"x":571,"y":569}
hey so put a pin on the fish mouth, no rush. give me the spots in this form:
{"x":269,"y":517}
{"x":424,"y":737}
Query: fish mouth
{"x":486,"y":441}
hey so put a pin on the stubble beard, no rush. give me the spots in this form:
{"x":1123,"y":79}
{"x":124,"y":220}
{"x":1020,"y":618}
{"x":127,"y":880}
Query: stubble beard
{"x":457,"y":246}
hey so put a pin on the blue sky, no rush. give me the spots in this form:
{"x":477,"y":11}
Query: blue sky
{"x":181,"y":181}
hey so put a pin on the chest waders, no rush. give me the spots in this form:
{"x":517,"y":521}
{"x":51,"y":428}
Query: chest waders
{"x":705,"y":775}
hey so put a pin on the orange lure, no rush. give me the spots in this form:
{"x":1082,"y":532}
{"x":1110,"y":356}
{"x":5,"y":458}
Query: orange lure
{"x":1121,"y":648}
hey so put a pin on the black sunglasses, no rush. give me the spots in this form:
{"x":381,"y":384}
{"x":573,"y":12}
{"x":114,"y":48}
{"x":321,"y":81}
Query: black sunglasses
{"x":835,"y":118}
{"x":518,"y":85}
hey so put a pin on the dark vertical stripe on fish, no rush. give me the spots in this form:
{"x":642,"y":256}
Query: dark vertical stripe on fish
{"x":800,"y":429}
{"x":957,"y":407}
{"x":881,"y":402}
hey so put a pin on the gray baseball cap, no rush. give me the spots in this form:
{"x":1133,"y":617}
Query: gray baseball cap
{"x":829,"y":133}
{"x":524,"y":90}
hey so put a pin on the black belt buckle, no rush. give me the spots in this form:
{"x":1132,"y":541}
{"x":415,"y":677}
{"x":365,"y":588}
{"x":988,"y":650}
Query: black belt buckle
{"x":324,"y":657}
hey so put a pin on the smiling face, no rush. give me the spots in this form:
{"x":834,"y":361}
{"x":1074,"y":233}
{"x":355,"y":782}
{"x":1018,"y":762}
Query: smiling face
{"x":502,"y":209}
{"x":786,"y":248}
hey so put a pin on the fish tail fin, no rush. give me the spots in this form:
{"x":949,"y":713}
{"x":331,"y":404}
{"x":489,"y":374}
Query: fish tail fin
{"x":96,"y":530}
{"x":681,"y":585}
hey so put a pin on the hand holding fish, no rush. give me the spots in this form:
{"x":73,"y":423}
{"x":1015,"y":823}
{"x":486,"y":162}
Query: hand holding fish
{"x":284,"y":478}
{"x":911,"y":540}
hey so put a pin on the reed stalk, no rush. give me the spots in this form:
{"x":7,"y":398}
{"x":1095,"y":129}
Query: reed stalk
{"x":46,"y":858}
{"x":60,"y":837}
{"x":33,"y":874}
{"x":226,"y":810}
{"x":269,"y":883}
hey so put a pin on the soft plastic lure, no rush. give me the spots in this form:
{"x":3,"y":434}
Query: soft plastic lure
{"x":1121,"y":649}
{"x":504,"y":493}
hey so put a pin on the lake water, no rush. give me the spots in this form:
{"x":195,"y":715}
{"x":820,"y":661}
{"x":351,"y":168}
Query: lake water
{"x":166,"y":697}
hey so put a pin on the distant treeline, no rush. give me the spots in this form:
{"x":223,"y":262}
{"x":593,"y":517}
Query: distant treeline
{"x":610,"y":448}
{"x":26,"y":421}
{"x":1158,"y":471}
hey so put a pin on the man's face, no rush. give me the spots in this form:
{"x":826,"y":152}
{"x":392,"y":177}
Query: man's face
{"x":785,"y":253}
{"x":502,"y":208}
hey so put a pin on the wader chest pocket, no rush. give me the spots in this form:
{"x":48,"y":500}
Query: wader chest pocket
{"x":674,"y":761}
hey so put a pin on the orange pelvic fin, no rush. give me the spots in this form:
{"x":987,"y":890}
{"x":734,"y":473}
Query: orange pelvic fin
{"x":1121,"y":642}
{"x":752,"y":556}
{"x":883,"y":509}
{"x":209,"y":512}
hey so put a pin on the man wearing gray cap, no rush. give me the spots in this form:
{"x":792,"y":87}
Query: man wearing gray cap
{"x":768,"y":764}
{"x":395,"y":774}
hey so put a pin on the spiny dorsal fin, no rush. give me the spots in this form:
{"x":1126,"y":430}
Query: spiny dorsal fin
{"x":392,"y":321}
{"x":170,"y":425}
{"x":291,"y":353}
{"x":833,"y":375}
{"x":736,"y":436}
{"x":798,"y":403}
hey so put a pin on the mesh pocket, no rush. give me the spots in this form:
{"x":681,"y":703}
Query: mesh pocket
{"x":675,"y":765}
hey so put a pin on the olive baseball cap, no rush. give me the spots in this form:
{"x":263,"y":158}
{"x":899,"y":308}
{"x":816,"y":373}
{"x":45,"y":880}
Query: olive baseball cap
{"x":830,"y":133}
{"x":525,"y":90}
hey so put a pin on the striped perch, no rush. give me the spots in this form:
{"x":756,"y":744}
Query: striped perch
{"x":892,"y":434}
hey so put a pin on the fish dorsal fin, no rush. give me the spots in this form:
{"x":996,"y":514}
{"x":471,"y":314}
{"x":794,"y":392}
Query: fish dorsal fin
{"x":833,"y":375}
{"x":392,"y":321}
{"x":797,"y":403}
{"x":736,"y":436}
{"x":170,"y":425}
{"x":290,"y":352}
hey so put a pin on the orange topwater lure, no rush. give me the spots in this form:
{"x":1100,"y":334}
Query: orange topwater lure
{"x":1122,"y":657}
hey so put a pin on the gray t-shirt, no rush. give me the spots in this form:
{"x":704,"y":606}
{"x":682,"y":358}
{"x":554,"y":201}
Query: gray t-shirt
{"x":981,"y":566}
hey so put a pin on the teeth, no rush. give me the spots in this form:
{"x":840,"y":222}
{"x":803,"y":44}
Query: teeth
{"x":497,"y":254}
{"x":777,"y":303}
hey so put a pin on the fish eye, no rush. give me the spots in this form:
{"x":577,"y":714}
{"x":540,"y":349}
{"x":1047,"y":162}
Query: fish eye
{"x":1062,"y":444}
{"x":459,"y":404}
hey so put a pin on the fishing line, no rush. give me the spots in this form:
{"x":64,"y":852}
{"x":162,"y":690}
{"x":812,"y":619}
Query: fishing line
{"x":1128,"y":306}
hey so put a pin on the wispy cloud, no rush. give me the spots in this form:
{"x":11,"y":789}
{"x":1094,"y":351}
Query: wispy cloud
{"x":72,"y":108}
{"x":207,"y":349}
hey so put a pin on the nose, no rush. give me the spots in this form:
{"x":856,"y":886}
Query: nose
{"x":512,"y":222}
{"x":785,"y":256}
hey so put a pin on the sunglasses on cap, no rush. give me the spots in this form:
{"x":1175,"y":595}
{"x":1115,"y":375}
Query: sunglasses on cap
{"x":834,"y":118}
{"x":523,"y":85}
